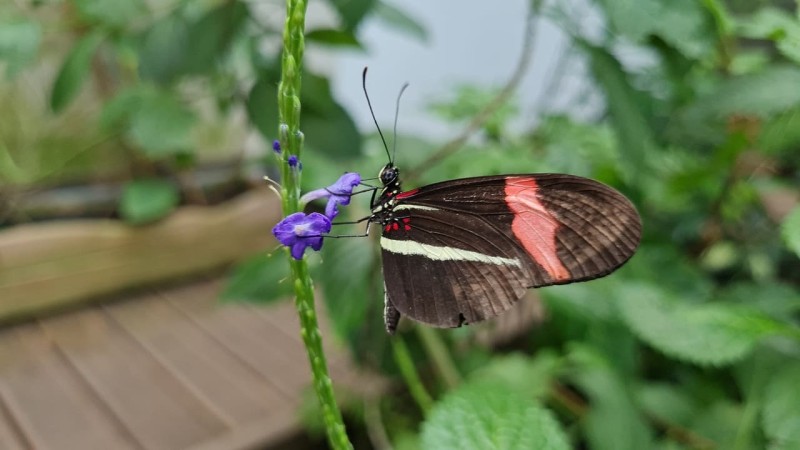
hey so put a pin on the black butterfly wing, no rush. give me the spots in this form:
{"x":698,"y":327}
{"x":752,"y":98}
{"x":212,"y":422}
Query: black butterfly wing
{"x":466,"y":250}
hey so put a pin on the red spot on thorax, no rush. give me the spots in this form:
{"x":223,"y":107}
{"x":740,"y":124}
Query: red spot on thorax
{"x":406,"y":219}
{"x":406,"y":194}
{"x":388,"y":227}
{"x":395,"y":226}
{"x":534,"y":226}
{"x":408,"y":227}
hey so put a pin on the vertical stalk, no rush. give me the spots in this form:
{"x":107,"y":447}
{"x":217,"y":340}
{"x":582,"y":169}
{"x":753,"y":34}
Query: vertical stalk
{"x":291,"y":144}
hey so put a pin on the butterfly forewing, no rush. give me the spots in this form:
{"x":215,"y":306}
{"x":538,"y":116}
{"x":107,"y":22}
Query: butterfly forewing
{"x":465,"y":250}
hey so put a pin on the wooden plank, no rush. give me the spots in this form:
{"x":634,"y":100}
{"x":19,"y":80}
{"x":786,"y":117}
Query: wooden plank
{"x":51,"y":404}
{"x":237,"y":392}
{"x":272,"y":354}
{"x":59,"y":263}
{"x":159,"y":410}
{"x":10,"y":438}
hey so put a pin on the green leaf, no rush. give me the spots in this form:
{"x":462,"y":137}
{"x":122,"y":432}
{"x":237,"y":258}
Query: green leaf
{"x":263,"y":278}
{"x":262,"y":105}
{"x":790,"y":230}
{"x":145,"y":201}
{"x":780,"y":135}
{"x":162,"y":125}
{"x":333,"y":132}
{"x":111,"y":13}
{"x":666,"y":402}
{"x":211,"y":36}
{"x":686,"y":25}
{"x":19,"y":43}
{"x":770,"y":91}
{"x":347,"y":287}
{"x":529,"y":377}
{"x":704,"y":334}
{"x":625,"y":105}
{"x":163,"y":49}
{"x":488,"y":416}
{"x":333,"y":37}
{"x":352,"y":11}
{"x":613,"y":422}
{"x":117,"y":112}
{"x":776,"y":25}
{"x":781,"y":415}
{"x":396,"y":18}
{"x":74,"y":71}
{"x":634,"y":19}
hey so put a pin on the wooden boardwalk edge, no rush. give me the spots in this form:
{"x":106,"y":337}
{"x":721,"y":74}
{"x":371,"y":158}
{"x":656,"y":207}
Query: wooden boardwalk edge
{"x":172,"y":370}
{"x":51,"y":265}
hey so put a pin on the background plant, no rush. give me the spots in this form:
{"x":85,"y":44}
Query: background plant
{"x":694,"y":113}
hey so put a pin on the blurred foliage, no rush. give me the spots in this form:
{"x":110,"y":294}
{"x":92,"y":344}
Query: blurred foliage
{"x":694,"y":344}
{"x":145,"y":89}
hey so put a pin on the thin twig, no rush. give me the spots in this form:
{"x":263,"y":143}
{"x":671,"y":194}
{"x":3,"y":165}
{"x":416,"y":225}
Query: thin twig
{"x":498,"y":101}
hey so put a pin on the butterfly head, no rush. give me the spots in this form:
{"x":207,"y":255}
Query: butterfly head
{"x":389,"y":175}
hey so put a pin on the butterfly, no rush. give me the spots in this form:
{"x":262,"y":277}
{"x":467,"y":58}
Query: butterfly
{"x":463,"y":251}
{"x":466,"y":250}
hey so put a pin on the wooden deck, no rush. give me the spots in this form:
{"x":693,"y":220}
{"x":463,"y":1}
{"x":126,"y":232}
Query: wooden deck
{"x":169,"y":370}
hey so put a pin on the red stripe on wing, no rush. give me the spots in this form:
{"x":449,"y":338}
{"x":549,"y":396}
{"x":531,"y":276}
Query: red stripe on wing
{"x":406,"y":194}
{"x":534,"y":226}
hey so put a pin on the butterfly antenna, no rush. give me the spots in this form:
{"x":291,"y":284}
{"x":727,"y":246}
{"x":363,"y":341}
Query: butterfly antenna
{"x":364,"y":85}
{"x":396,"y":115}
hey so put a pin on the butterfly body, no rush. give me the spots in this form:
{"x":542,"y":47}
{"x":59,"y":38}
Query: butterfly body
{"x":463,"y":251}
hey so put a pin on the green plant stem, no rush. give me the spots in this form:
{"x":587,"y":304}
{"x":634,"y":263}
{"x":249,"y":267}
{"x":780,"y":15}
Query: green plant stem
{"x":291,"y":143}
{"x":409,"y":373}
{"x":439,"y":355}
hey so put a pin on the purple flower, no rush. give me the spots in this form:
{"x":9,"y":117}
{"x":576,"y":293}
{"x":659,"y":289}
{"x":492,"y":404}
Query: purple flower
{"x":294,"y":162}
{"x":299,"y":231}
{"x":337,"y":194}
{"x":276,"y":145}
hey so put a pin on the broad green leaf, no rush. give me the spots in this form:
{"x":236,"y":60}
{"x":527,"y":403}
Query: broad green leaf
{"x":770,"y":91}
{"x":780,"y":135}
{"x":720,"y":421}
{"x":781,"y":415}
{"x":19,"y":43}
{"x":162,"y":125}
{"x":334,"y":133}
{"x":790,"y":230}
{"x":529,"y":376}
{"x":396,"y":18}
{"x":263,"y":278}
{"x":613,"y":421}
{"x":776,"y":25}
{"x":145,"y":201}
{"x":211,"y":36}
{"x":163,"y":52}
{"x":778,"y":300}
{"x":486,"y":416}
{"x":625,"y":105}
{"x":705,"y":334}
{"x":666,"y":402}
{"x":262,"y":106}
{"x":328,"y":127}
{"x":349,"y":275}
{"x":634,"y":19}
{"x":352,"y":11}
{"x":333,"y":37}
{"x":74,"y":71}
{"x":117,"y":112}
{"x":686,"y":25}
{"x":110,"y":13}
